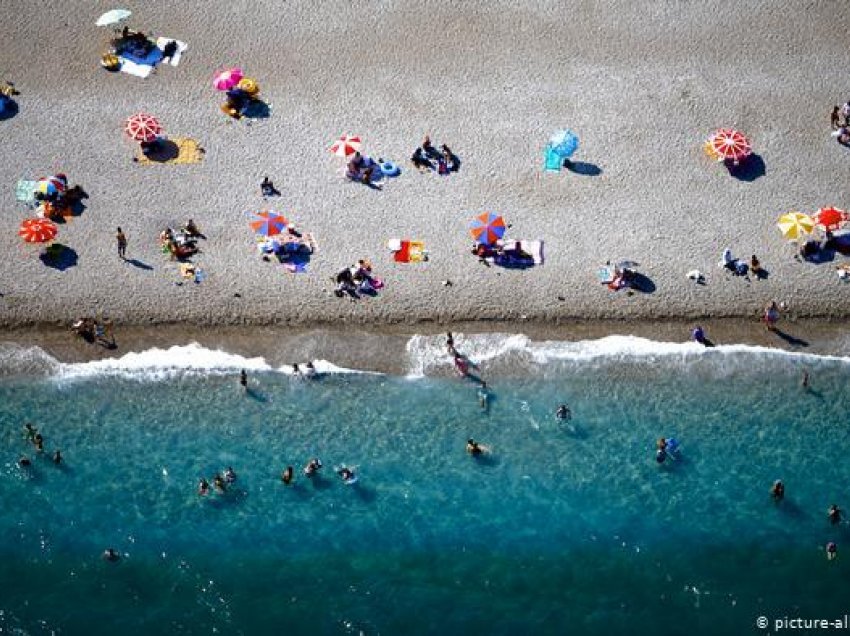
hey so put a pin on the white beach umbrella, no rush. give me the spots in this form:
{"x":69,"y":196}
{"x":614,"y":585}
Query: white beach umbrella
{"x":113,"y":17}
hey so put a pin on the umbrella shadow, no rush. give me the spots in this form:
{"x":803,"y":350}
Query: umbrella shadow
{"x":257,"y":109}
{"x":59,"y":257}
{"x":9,"y":110}
{"x":791,"y":340}
{"x":749,"y":169}
{"x":165,"y":150}
{"x":582,"y":168}
{"x":642,"y":283}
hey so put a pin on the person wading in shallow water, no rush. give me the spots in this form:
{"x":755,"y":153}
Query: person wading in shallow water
{"x":243,"y":379}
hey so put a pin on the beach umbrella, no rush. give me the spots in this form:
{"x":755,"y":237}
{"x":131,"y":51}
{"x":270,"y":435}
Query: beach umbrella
{"x":346,"y":146}
{"x":266,"y":223}
{"x":49,"y":186}
{"x":227,"y":79}
{"x":113,"y":17}
{"x":830,"y":218}
{"x":794,"y":225}
{"x":38,"y":230}
{"x":142,"y":127}
{"x":728,"y":143}
{"x":564,"y":143}
{"x":487,"y":228}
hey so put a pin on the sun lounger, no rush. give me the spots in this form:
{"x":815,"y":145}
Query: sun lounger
{"x":518,"y":254}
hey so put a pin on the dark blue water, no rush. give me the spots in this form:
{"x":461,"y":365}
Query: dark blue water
{"x":562,"y":528}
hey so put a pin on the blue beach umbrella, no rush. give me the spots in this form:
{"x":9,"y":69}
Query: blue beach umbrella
{"x":564,"y":142}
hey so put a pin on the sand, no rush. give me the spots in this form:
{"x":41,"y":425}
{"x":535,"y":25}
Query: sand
{"x":643,"y":85}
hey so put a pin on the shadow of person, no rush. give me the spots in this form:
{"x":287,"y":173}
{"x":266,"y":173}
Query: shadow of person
{"x":367,"y":495}
{"x":749,"y":169}
{"x":257,"y":109}
{"x":583,"y":168}
{"x":791,"y":340}
{"x":256,"y":395}
{"x":137,"y":263}
{"x":59,"y":257}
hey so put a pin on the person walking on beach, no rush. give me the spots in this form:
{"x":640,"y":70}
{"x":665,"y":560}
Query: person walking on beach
{"x":122,"y":244}
{"x":771,"y":316}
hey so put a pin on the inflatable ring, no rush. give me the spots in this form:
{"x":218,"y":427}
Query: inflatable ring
{"x":389,"y":169}
{"x":110,"y":62}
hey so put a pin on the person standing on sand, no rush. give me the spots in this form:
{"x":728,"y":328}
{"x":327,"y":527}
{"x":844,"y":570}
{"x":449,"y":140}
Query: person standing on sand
{"x":771,"y":316}
{"x":121,"y":238}
{"x":834,"y":119}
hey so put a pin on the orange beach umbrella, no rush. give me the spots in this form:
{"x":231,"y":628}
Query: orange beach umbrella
{"x":38,"y":230}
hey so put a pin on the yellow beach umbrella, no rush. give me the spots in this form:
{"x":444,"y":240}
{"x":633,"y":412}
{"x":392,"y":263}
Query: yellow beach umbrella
{"x":793,"y":225}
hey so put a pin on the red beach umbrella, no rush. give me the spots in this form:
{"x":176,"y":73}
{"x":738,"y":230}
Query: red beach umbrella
{"x":831,"y":218}
{"x":38,"y":230}
{"x":729,"y":144}
{"x":346,"y":146}
{"x":266,"y":223}
{"x":487,"y":228}
{"x":142,"y":127}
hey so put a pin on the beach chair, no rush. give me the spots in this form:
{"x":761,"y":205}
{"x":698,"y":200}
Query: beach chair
{"x":553,"y":161}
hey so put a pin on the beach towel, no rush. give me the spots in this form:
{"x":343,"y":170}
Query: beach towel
{"x":161,"y":43}
{"x":509,"y":256}
{"x":553,"y":161}
{"x":132,"y":68}
{"x":406,"y":251}
{"x":178,"y":150}
{"x":25,"y":191}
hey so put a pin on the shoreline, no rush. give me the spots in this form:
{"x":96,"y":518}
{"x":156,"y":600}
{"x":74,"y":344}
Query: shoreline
{"x":383,"y":348}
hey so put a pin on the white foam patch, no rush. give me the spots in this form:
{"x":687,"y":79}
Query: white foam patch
{"x":427,"y":353}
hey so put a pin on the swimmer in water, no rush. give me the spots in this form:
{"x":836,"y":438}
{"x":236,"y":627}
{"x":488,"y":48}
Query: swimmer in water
{"x":220,"y":484}
{"x":110,"y":554}
{"x":243,"y":378}
{"x":57,"y":457}
{"x":309,"y":370}
{"x":30,"y":432}
{"x":804,"y":381}
{"x":777,"y":491}
{"x":345,"y":473}
{"x":834,"y":514}
{"x":450,"y":343}
{"x":474,"y":448}
{"x":39,"y":443}
{"x":483,"y":395}
{"x":229,"y":475}
{"x":203,"y":487}
{"x":24,"y":462}
{"x":563,"y":412}
{"x":295,"y":370}
{"x":312,"y":467}
{"x":286,"y":475}
{"x":660,"y":455}
{"x":661,"y":444}
{"x":831,"y":550}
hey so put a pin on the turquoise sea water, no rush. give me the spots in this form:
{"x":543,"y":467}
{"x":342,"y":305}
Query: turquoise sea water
{"x":563,"y":528}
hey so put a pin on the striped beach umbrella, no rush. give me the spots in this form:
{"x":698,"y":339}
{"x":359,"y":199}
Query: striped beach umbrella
{"x":830,"y":218}
{"x":346,"y":146}
{"x":38,"y":230}
{"x":729,"y":144}
{"x":267,"y":223}
{"x":487,"y":228}
{"x":564,"y":143}
{"x":142,"y":127}
{"x":50,"y":186}
{"x":794,"y":225}
{"x":227,"y":79}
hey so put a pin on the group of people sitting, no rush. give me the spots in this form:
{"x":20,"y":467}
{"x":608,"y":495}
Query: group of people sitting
{"x":498,"y":251}
{"x":133,"y":42}
{"x":54,"y":202}
{"x":740,"y":267}
{"x":182,"y":243}
{"x":357,"y":279}
{"x":91,"y":330}
{"x":285,"y":245}
{"x":240,"y":99}
{"x":363,"y":169}
{"x":427,"y":158}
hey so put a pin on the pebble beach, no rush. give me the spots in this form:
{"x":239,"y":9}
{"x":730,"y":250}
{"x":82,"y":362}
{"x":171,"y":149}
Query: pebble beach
{"x":643,"y":87}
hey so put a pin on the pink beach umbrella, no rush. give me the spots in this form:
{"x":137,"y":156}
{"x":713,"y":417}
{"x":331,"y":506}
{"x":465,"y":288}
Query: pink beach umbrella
{"x":225,"y":80}
{"x":346,"y":146}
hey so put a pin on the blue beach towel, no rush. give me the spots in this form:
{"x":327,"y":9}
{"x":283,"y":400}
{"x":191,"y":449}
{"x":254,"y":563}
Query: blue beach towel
{"x":554,"y":162}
